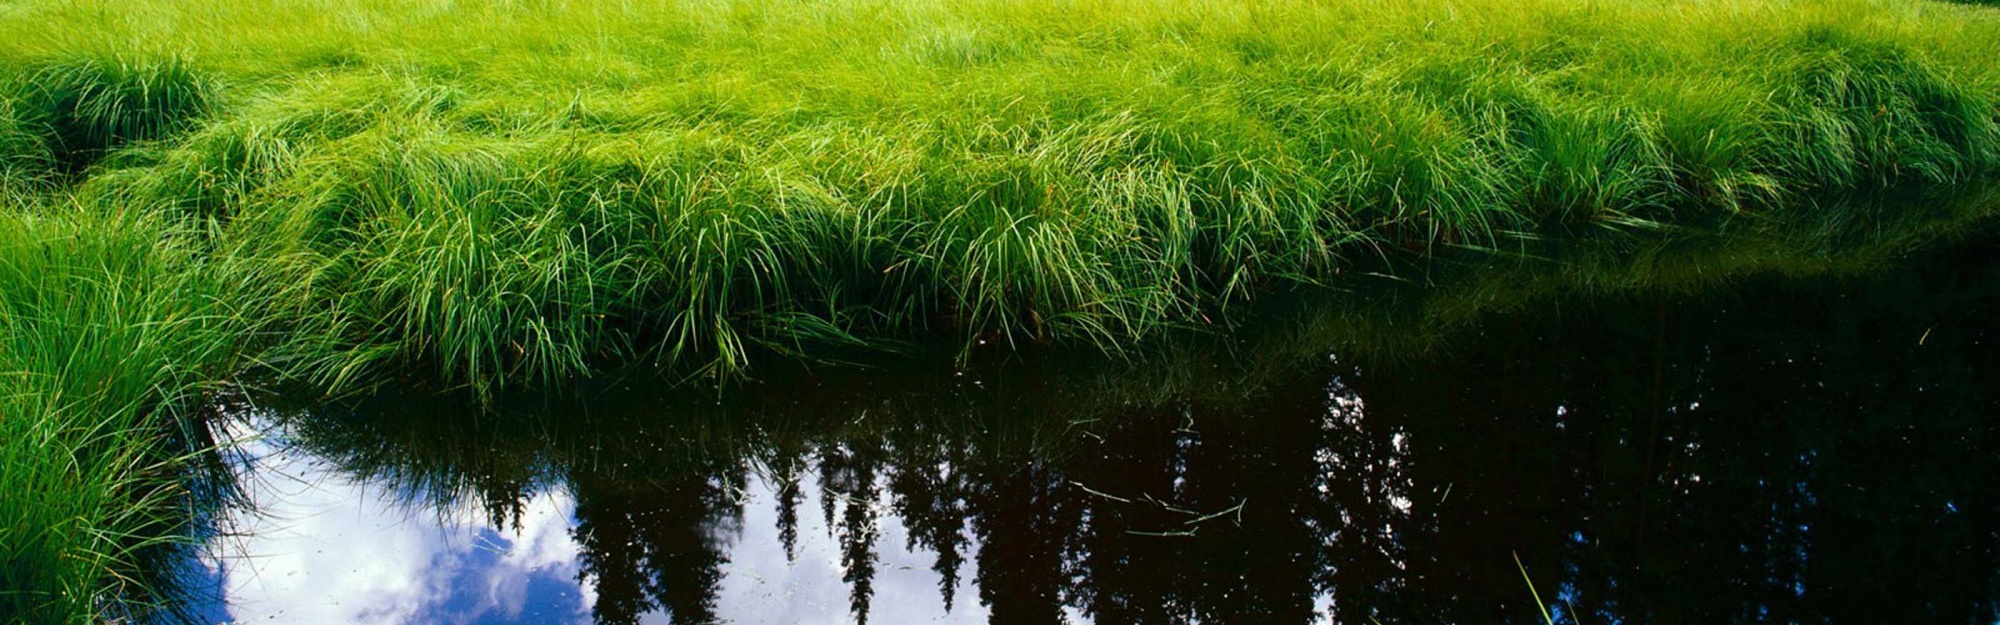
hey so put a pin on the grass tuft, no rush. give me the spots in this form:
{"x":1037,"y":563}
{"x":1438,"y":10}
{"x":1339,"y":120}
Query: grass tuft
{"x":87,"y":106}
{"x":104,"y":334}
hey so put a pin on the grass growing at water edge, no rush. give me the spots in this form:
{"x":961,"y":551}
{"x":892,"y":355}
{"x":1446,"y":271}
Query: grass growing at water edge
{"x":104,"y":336}
{"x":573,"y":186}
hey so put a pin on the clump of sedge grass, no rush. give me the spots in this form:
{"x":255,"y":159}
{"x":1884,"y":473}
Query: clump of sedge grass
{"x":104,"y":335}
{"x":24,"y":159}
{"x":85,"y":106}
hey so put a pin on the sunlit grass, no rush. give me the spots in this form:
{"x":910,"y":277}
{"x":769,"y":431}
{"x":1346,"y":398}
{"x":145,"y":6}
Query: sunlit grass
{"x":525,"y":191}
{"x":102,"y":338}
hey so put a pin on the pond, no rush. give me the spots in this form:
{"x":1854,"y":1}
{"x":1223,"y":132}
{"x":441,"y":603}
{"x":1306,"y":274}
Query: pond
{"x":1783,"y":449}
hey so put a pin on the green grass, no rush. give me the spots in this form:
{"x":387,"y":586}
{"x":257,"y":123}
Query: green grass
{"x":526,"y":192}
{"x":102,"y":338}
{"x":85,"y":107}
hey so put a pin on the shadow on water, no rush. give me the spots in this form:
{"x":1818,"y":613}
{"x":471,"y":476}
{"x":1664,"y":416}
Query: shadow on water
{"x":1815,"y":445}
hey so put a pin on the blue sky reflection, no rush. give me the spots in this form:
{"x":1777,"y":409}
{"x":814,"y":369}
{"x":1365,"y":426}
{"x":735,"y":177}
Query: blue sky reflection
{"x":321,"y":546}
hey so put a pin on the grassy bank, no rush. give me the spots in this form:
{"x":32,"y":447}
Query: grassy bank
{"x":521,"y":193}
{"x":524,"y":192}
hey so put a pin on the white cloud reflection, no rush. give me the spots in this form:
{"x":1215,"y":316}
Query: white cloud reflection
{"x":325,"y":547}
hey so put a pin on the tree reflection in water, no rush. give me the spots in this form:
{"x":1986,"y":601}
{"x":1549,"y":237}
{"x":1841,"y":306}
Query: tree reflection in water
{"x":1789,"y":451}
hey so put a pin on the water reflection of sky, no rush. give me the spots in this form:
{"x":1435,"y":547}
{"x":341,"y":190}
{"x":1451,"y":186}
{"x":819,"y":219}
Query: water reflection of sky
{"x":325,"y":547}
{"x":1795,"y":460}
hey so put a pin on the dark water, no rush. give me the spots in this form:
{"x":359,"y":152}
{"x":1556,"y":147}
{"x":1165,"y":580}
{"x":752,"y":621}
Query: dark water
{"x":1818,"y":450}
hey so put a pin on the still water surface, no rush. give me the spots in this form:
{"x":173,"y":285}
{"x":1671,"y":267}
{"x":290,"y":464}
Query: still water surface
{"x":1784,"y":450}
